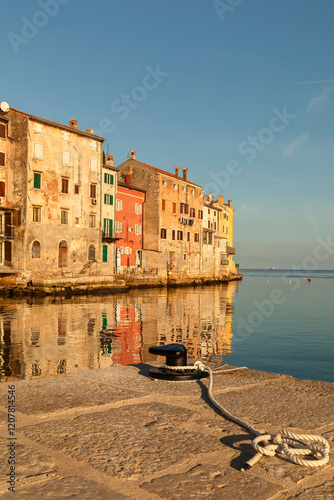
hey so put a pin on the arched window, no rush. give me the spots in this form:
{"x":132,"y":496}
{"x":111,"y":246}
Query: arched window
{"x":36,"y":250}
{"x":91,"y":252}
{"x":62,"y":254}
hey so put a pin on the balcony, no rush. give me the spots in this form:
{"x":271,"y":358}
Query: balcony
{"x":230,"y":250}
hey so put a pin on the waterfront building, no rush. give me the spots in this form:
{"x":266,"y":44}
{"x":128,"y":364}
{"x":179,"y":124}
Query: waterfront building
{"x":227,"y":233}
{"x":172,"y":219}
{"x":129,"y":227}
{"x":50,"y":176}
{"x":108,"y":204}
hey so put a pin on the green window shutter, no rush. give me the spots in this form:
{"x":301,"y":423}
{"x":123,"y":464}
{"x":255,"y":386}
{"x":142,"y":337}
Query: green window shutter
{"x":111,"y":199}
{"x":111,"y":179}
{"x":105,"y":226}
{"x":105,"y":255}
{"x":105,"y":178}
{"x":37,"y":181}
{"x":105,"y":199}
{"x":110,"y":227}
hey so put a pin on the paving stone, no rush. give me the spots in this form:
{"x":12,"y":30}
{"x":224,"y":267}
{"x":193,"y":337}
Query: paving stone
{"x":130,"y":441}
{"x":282,"y":406}
{"x":63,"y":488}
{"x":63,"y":392}
{"x":212,"y":483}
{"x":28,"y":463}
{"x":324,"y":491}
{"x":136,"y":378}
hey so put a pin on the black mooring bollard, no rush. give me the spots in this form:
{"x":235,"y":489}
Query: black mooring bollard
{"x":176,"y":355}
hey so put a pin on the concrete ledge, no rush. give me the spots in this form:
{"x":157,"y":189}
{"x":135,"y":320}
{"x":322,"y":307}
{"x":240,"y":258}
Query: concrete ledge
{"x":115,"y":433}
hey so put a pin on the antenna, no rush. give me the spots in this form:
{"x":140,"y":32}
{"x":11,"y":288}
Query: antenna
{"x":4,"y":106}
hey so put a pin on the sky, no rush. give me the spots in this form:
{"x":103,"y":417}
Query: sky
{"x":240,"y":92}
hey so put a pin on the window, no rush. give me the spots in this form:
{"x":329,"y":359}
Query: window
{"x":93,"y":145}
{"x":184,"y":256}
{"x":208,"y":210}
{"x":92,"y":190}
{"x":175,"y":186}
{"x":36,"y":214}
{"x":38,"y":150}
{"x":209,"y":224}
{"x":210,"y":238}
{"x":138,"y":229}
{"x":65,"y":136}
{"x":2,"y":223}
{"x":64,"y":217}
{"x":108,"y":199}
{"x":205,"y":239}
{"x":214,"y":213}
{"x":180,"y":235}
{"x":174,"y":208}
{"x":108,"y":179}
{"x":138,"y":208}
{"x":164,"y":183}
{"x":200,"y":214}
{"x":173,"y":234}
{"x":64,"y":185}
{"x":215,"y":225}
{"x":163,"y":233}
{"x":188,"y":236}
{"x":193,"y":192}
{"x":196,"y":237}
{"x":184,"y":208}
{"x":2,"y":131}
{"x":192,"y":213}
{"x":65,"y":157}
{"x":163,"y":204}
{"x":105,"y":253}
{"x":92,"y":164}
{"x":223,"y":228}
{"x":227,"y":230}
{"x":92,"y":221}
{"x":76,"y":189}
{"x":36,"y":250}
{"x":108,"y":227}
{"x":2,"y":159}
{"x":2,"y":188}
{"x":119,"y":205}
{"x":37,"y":180}
{"x":91,"y":252}
{"x":118,"y":227}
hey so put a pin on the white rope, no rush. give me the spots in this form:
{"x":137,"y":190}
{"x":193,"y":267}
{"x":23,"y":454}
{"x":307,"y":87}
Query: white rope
{"x":286,"y":442}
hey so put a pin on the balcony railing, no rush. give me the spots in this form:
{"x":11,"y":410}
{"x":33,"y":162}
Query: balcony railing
{"x":230,"y":250}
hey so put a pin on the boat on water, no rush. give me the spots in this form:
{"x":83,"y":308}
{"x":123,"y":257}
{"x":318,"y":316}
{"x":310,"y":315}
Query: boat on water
{"x":272,"y":268}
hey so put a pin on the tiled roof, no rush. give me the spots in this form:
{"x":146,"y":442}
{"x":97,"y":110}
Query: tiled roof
{"x":168,"y":173}
{"x":59,"y":125}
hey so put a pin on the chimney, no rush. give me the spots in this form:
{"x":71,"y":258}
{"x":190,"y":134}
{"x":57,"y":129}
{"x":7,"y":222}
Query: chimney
{"x":110,"y":160}
{"x":90,"y":131}
{"x":184,"y":170}
{"x":73,"y":123}
{"x":229,"y":203}
{"x":176,"y":171}
{"x":133,"y":154}
{"x":221,"y":200}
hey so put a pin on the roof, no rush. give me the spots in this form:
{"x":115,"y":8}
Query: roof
{"x":124,"y":185}
{"x":59,"y":125}
{"x":159,"y":171}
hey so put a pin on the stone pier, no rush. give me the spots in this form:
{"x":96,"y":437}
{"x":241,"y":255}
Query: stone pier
{"x":114,"y":433}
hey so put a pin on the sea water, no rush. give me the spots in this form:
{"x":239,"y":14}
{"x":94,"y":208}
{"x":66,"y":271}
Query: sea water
{"x":272,"y":320}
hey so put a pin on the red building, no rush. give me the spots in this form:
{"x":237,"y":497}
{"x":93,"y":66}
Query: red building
{"x":129,"y":227}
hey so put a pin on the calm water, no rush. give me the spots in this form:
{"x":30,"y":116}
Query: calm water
{"x":275,"y":320}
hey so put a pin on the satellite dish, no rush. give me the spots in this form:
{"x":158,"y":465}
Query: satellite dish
{"x":4,"y":106}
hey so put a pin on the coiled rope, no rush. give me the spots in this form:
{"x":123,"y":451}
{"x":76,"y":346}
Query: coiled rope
{"x":293,"y":445}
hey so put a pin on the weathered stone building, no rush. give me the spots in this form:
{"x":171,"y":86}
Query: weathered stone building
{"x":172,"y":218}
{"x":50,"y":177}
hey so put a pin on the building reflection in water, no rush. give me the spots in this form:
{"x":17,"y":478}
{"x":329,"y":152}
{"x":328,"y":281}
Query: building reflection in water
{"x":55,"y":336}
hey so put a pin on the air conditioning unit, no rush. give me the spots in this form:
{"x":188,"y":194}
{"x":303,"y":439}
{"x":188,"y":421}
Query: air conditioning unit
{"x":94,"y":201}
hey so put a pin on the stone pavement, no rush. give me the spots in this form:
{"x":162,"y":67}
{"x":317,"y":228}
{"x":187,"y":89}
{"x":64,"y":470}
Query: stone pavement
{"x":115,"y":434}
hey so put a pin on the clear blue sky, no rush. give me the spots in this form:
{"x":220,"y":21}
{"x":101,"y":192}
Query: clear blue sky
{"x":200,"y":84}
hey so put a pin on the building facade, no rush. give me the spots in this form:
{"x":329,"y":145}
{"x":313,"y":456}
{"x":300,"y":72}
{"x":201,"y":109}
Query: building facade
{"x":50,"y":177}
{"x":172,"y":218}
{"x":108,"y":204}
{"x":129,"y":228}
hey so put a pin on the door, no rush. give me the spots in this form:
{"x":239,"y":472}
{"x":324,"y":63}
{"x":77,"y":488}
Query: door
{"x":62,"y":257}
